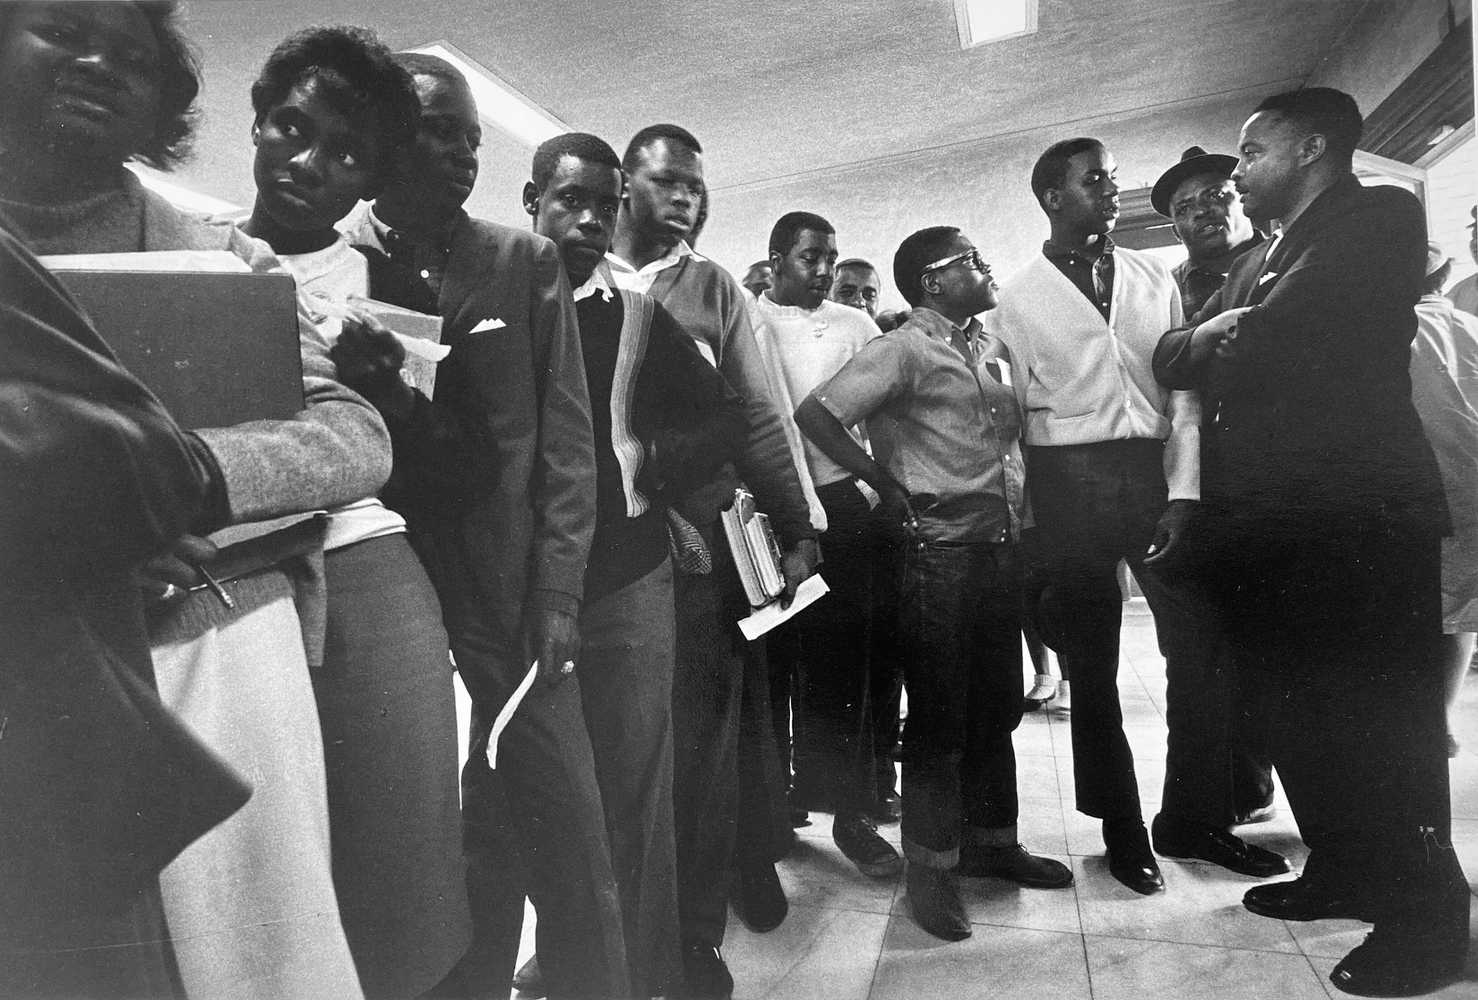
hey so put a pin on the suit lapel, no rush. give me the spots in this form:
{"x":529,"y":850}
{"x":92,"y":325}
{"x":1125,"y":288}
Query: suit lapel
{"x":472,"y":260}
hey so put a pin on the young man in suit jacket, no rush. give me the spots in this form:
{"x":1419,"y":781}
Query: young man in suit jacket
{"x":496,"y":478}
{"x":1326,"y":515}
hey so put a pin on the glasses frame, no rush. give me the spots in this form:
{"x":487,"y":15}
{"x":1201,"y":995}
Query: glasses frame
{"x":972,"y":255}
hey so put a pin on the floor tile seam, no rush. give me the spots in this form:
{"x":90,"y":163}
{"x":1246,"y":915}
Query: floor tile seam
{"x":1192,"y":944}
{"x":801,"y":957}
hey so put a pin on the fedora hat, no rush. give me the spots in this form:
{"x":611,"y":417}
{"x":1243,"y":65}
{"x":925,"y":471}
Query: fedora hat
{"x":1192,"y":162}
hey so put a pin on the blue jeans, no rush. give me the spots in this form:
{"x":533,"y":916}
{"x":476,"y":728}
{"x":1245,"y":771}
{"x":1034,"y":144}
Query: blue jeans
{"x":960,"y":636}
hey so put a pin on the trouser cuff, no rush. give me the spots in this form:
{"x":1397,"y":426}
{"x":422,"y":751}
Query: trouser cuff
{"x":917,"y":854}
{"x":992,"y":836}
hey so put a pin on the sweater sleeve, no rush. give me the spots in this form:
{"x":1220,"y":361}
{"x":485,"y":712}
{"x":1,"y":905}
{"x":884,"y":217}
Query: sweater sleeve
{"x":334,"y":451}
{"x":766,"y":463}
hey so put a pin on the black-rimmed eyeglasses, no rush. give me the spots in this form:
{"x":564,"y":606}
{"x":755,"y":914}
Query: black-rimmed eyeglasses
{"x":971,"y":257}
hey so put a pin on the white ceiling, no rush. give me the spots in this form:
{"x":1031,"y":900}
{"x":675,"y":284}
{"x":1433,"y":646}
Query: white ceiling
{"x":776,"y":89}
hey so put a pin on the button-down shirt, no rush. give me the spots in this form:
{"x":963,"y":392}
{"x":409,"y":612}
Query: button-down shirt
{"x":1198,"y":284}
{"x":412,"y":265}
{"x":955,"y":428}
{"x":639,"y":279}
{"x":1093,"y":275}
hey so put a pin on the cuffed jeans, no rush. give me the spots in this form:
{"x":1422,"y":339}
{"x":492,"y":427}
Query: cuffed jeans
{"x":960,"y":634}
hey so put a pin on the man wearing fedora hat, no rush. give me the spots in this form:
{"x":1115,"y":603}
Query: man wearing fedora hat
{"x":1198,"y":197}
{"x":1464,"y":294}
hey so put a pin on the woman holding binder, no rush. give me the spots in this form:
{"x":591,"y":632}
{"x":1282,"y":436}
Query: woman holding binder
{"x":332,"y":108}
{"x":250,"y":906}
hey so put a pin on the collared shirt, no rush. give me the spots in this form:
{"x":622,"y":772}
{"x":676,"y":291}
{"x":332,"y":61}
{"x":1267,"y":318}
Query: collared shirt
{"x":1093,"y":276}
{"x":635,"y":279}
{"x":419,"y":259}
{"x":955,"y":429}
{"x":1198,"y":284}
{"x":597,"y":284}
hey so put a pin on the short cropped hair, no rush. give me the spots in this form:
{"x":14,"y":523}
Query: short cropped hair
{"x":916,"y":253}
{"x":356,"y":74}
{"x":675,"y":134}
{"x":179,"y":84}
{"x":1322,"y":110}
{"x":580,"y":145}
{"x":1050,"y":170}
{"x":856,"y":264}
{"x":425,"y":64}
{"x":788,"y":230}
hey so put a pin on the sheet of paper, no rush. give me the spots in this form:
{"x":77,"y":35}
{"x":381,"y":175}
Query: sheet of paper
{"x":812,"y":588}
{"x":505,"y":714}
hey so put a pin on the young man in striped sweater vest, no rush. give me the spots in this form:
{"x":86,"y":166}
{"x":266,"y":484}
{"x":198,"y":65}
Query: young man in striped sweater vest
{"x":1113,"y":473}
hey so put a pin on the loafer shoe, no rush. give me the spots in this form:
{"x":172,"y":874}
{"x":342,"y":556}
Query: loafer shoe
{"x":935,"y":901}
{"x":1129,"y":856}
{"x":1207,"y":843}
{"x":1014,"y":863}
{"x":857,"y":838}
{"x":1385,"y":967}
{"x":1043,"y":689}
{"x":529,"y":979}
{"x":705,"y":974}
{"x":1300,"y":899}
{"x":762,"y":904}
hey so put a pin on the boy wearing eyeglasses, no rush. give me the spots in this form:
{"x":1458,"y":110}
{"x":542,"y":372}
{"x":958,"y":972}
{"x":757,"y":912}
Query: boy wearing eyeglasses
{"x":954,"y":485}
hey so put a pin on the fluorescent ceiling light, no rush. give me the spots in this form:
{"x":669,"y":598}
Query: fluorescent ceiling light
{"x":498,"y":104}
{"x":982,"y":21}
{"x":180,"y":196}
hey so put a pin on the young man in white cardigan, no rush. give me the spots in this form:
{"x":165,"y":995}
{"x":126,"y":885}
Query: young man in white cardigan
{"x":1113,"y":473}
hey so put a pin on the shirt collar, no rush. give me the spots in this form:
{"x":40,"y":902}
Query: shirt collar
{"x":672,"y":256}
{"x":441,"y":238}
{"x":935,"y":325}
{"x":1056,"y":251}
{"x":1237,"y":251}
{"x":597,"y":284}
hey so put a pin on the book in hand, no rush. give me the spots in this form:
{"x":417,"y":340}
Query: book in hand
{"x":756,"y":553}
{"x":214,"y":340}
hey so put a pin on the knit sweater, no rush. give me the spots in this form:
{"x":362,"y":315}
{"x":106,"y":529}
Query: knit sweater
{"x":1081,"y":379}
{"x":802,"y":348}
{"x":711,"y":306}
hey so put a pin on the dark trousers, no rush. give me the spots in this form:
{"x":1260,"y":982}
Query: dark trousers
{"x":708,"y":690}
{"x":1096,"y":504}
{"x":885,"y":667}
{"x":960,"y":629}
{"x":833,"y":748}
{"x":536,"y":825}
{"x":625,"y":669}
{"x":1357,"y":724}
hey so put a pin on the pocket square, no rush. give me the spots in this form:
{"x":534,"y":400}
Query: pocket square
{"x":491,"y":323}
{"x":1267,"y":277}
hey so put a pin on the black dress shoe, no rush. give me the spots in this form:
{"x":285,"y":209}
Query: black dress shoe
{"x":762,"y":904}
{"x":857,"y":838}
{"x":705,"y":974}
{"x":1014,"y":863}
{"x":1130,"y":859}
{"x":935,"y":901}
{"x":1301,"y":899}
{"x":529,"y":979}
{"x":1178,"y":839}
{"x":1388,"y":966}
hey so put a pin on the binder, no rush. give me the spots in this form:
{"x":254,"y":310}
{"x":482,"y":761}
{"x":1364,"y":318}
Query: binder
{"x":214,"y":340}
{"x":754,"y":548}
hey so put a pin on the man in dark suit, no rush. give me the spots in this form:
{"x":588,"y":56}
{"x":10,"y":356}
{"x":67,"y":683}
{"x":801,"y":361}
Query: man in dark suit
{"x":1325,"y":512}
{"x":496,"y":478}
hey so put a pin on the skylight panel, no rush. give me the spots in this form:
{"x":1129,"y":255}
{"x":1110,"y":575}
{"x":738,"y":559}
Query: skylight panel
{"x":982,"y":21}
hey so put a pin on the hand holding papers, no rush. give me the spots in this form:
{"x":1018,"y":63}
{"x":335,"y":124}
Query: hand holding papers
{"x":418,"y":334}
{"x":757,"y":559}
{"x":505,"y":714}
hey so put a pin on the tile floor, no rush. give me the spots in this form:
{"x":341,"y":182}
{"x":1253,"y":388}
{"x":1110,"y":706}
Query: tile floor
{"x":850,"y":937}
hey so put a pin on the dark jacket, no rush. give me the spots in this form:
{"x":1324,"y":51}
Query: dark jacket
{"x":100,"y":785}
{"x":497,"y":473}
{"x":1310,"y":426}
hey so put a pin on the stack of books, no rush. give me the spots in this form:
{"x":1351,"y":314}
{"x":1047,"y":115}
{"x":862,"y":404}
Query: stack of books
{"x":756,"y":553}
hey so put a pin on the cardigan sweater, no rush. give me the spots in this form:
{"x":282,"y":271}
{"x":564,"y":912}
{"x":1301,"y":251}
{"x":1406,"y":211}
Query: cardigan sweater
{"x":708,"y":303}
{"x":1082,"y":379}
